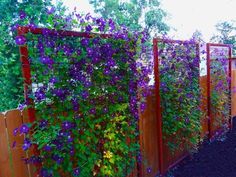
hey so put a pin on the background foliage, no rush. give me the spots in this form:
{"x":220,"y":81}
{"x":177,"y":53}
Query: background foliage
{"x":134,"y":14}
{"x":12,"y":14}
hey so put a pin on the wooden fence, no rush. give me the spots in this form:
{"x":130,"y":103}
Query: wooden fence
{"x":149,"y":131}
{"x":11,"y":164}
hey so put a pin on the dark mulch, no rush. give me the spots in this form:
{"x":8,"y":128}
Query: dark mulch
{"x":215,"y":159}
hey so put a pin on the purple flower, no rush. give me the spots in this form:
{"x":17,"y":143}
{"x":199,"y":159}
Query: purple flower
{"x":46,"y":60}
{"x":24,"y":129}
{"x":20,"y":40}
{"x":27,"y":144}
{"x":22,"y":14}
{"x":92,"y":111}
{"x":47,"y":148}
{"x":51,"y":10}
{"x":105,"y":110}
{"x":53,"y":80}
{"x":79,"y":52}
{"x":88,"y":28}
{"x":139,"y":157}
{"x":14,"y":27}
{"x":60,"y":93}
{"x":85,"y":94}
{"x":57,"y":158}
{"x":76,"y":171}
{"x":85,"y":42}
{"x":142,"y":107}
{"x":106,"y":71}
{"x":66,"y":125}
{"x":149,"y":170}
{"x":187,"y":120}
{"x":14,"y":144}
{"x":75,"y":104}
{"x":32,"y":25}
{"x":35,"y":159}
{"x":15,"y":131}
{"x":43,"y":123}
{"x":69,"y":139}
{"x":40,"y":94}
{"x":89,"y":69}
{"x":46,"y":173}
{"x":72,"y":151}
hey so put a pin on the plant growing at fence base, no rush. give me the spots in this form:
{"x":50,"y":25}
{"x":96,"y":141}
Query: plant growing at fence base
{"x":220,"y":88}
{"x":85,"y":94}
{"x":180,"y":93}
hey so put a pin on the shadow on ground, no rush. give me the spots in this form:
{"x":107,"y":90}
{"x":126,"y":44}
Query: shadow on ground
{"x":215,"y":159}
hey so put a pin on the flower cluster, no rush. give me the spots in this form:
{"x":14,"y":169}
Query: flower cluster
{"x":180,"y":91}
{"x":85,"y":97}
{"x":220,"y":103}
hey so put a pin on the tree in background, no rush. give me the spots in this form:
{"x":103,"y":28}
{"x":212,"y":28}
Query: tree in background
{"x":226,"y":34}
{"x":12,"y":14}
{"x":134,"y":14}
{"x":197,"y":36}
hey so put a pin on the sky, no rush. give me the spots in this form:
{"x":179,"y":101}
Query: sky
{"x":184,"y":16}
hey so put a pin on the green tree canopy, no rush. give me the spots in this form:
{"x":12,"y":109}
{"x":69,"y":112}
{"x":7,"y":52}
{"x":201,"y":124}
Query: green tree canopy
{"x":135,"y":14}
{"x":226,"y":33}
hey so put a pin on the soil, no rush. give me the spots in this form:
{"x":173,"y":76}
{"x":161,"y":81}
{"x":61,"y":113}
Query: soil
{"x":214,"y":159}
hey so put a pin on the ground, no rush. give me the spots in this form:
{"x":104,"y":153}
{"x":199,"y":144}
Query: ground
{"x":215,"y":159}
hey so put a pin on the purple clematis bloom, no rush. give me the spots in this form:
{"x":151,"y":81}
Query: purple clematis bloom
{"x":51,"y":10}
{"x":92,"y":111}
{"x":76,"y":171}
{"x":85,"y":42}
{"x":15,"y":131}
{"x":24,"y":129}
{"x":20,"y":40}
{"x":22,"y":14}
{"x":43,"y":123}
{"x":47,"y":148}
{"x":27,"y":144}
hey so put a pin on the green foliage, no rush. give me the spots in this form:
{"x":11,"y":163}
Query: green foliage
{"x":134,"y":14}
{"x":180,"y":94}
{"x":226,"y":34}
{"x":85,"y":93}
{"x":220,"y":102}
{"x":11,"y":84}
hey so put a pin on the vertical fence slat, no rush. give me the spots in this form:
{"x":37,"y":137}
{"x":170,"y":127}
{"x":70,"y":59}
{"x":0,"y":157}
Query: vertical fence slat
{"x":5,"y":167}
{"x":148,"y":132}
{"x":204,"y":120}
{"x":13,"y":120}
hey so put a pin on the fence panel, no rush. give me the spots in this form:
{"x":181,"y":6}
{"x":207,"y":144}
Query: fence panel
{"x":204,"y":120}
{"x":148,"y":131}
{"x":13,"y":120}
{"x":219,"y":86}
{"x":176,"y":66}
{"x":5,"y":167}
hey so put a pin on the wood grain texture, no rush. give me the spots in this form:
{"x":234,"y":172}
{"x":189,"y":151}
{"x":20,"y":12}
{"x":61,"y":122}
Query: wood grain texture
{"x":148,"y":131}
{"x":5,"y":167}
{"x":13,"y":120}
